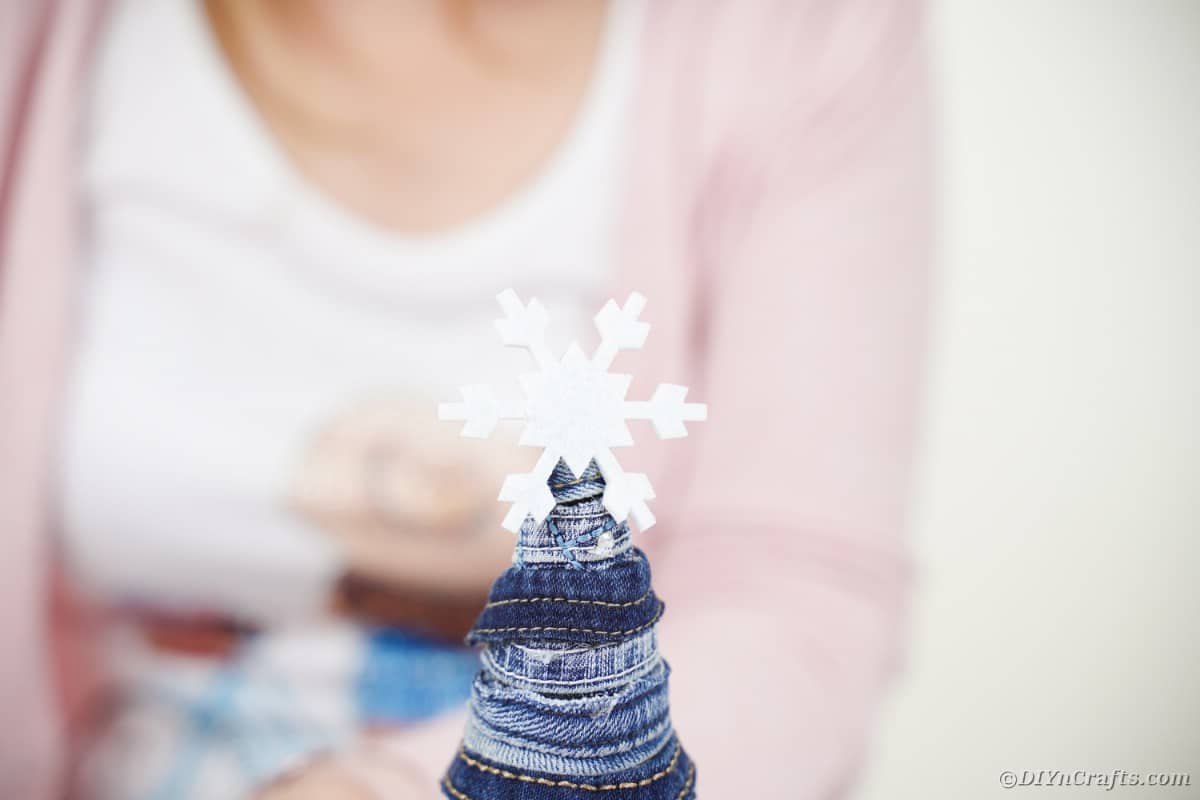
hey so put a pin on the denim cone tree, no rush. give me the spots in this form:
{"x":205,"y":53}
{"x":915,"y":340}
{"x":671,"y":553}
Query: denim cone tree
{"x":571,"y":702}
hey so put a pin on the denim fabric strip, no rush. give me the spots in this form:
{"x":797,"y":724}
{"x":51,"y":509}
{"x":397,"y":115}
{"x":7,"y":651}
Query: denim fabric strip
{"x":608,"y":602}
{"x":572,"y":698}
{"x":570,"y":669}
{"x":588,"y":736}
{"x":580,"y":532}
{"x":669,"y":775}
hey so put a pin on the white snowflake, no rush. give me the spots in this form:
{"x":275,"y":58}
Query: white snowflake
{"x":575,"y":409}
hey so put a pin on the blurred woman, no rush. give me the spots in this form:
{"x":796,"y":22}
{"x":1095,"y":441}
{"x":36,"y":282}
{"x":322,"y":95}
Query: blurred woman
{"x":247,"y":246}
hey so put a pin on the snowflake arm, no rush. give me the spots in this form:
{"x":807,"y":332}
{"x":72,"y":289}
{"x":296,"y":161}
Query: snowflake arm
{"x":529,"y":492}
{"x":619,"y":329}
{"x":667,"y":411}
{"x":625,"y":493}
{"x":524,"y":326}
{"x":480,"y":410}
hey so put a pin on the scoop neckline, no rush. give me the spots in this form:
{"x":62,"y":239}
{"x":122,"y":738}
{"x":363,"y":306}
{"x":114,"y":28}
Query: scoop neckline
{"x":302,"y":207}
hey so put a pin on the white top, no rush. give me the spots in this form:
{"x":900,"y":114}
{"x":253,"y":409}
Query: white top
{"x":231,"y":312}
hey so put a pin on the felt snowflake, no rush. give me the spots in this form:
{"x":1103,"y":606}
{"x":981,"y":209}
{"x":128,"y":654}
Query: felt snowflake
{"x":575,"y":409}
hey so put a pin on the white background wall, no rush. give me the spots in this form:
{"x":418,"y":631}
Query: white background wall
{"x":1058,"y":520}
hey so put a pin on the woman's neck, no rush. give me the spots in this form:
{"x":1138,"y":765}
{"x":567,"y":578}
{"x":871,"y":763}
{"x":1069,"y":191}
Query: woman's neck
{"x":414,"y":114}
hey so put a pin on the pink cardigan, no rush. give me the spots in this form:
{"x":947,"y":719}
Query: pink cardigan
{"x":778,"y":218}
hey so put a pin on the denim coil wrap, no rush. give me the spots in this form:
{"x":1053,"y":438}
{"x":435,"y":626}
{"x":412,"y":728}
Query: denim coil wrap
{"x":571,"y":702}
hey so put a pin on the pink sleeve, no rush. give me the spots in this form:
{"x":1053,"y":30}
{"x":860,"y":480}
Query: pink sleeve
{"x":41,"y":46}
{"x":786,"y":571}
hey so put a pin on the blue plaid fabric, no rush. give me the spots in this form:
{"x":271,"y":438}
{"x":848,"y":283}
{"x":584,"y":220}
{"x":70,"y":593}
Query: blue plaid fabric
{"x":194,"y":729}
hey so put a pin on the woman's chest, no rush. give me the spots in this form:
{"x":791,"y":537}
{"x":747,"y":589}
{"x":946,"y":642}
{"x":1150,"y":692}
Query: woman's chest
{"x":208,"y":364}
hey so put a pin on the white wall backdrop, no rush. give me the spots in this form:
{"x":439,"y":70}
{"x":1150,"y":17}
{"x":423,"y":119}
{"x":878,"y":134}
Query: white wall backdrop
{"x":1058,"y":520}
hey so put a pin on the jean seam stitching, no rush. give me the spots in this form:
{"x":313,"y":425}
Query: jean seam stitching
{"x":587,"y":787}
{"x":642,"y":627}
{"x":604,"y":603}
{"x":564,"y":544}
{"x":450,"y":788}
{"x":687,"y":785}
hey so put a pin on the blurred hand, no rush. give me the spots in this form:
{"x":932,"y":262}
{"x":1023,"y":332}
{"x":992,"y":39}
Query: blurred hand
{"x":322,"y":781}
{"x":350,"y":778}
{"x":366,"y":773}
{"x":409,"y":501}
